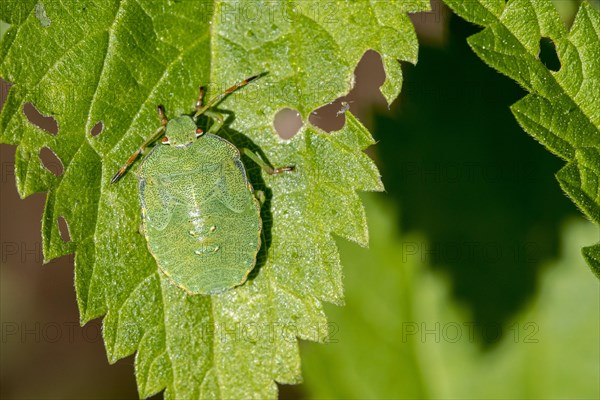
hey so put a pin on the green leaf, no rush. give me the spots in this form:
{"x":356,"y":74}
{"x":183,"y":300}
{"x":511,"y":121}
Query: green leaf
{"x":562,"y":110}
{"x":420,"y":343}
{"x":113,"y":62}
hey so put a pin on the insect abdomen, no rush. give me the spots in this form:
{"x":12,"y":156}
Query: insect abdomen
{"x":210,"y":241}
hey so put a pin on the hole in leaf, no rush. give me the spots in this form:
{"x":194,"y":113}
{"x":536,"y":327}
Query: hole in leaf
{"x":362,"y":97}
{"x":48,"y":124}
{"x":366,"y":92}
{"x":51,"y":161}
{"x":330,"y":117}
{"x":287,"y":123}
{"x":548,"y":55}
{"x":97,"y":129}
{"x":63,"y":229}
{"x":432,"y":26}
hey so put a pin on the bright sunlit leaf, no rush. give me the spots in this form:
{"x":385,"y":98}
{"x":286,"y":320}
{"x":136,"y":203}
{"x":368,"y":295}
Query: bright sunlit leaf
{"x":111,"y":63}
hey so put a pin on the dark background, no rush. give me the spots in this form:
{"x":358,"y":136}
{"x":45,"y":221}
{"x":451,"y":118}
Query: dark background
{"x":450,"y":153}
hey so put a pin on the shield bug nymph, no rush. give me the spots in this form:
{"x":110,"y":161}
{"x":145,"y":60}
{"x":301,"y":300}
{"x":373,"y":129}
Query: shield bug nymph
{"x":200,"y":215}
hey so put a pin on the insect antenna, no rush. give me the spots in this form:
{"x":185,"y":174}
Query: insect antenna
{"x":200,"y":109}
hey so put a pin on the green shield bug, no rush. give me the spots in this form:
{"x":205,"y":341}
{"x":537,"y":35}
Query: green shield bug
{"x":200,"y":215}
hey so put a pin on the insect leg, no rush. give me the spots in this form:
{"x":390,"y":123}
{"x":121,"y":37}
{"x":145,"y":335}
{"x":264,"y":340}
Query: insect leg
{"x":157,"y":134}
{"x":267,"y":168}
{"x":202,"y":109}
{"x":200,"y":100}
{"x":162,"y":116}
{"x":218,"y":121}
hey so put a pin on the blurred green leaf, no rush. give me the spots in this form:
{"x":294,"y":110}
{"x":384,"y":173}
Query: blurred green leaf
{"x":402,"y":336}
{"x":112,"y":63}
{"x":562,"y":110}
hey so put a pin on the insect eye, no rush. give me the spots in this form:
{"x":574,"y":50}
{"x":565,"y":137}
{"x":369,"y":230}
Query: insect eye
{"x":165,"y":140}
{"x":199,"y":132}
